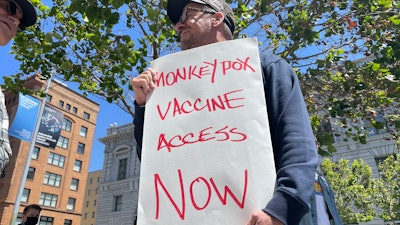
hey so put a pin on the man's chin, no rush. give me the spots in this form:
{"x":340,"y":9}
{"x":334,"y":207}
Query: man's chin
{"x":4,"y":40}
{"x":184,"y":45}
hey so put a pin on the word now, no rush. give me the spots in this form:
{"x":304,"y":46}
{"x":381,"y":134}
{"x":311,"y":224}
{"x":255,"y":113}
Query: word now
{"x":225,"y":101}
{"x":198,"y":72}
{"x":204,"y":135}
{"x":209,"y":185}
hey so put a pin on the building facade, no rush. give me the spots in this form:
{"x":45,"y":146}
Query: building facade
{"x":119,"y":186}
{"x":91,"y":198}
{"x":56,"y":177}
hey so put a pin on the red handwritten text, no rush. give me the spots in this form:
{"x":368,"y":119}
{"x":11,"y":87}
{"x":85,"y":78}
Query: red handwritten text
{"x":236,"y":65}
{"x":199,"y":182}
{"x":207,"y":134}
{"x":207,"y":69}
{"x":221,"y":102}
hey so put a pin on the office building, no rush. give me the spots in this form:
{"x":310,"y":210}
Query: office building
{"x":56,"y":177}
{"x":91,"y":197}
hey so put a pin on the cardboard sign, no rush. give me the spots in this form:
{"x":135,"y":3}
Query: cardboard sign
{"x":207,"y":156}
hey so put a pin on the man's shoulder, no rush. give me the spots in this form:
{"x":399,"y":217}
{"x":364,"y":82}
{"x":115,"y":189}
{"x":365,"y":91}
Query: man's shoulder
{"x":268,"y":58}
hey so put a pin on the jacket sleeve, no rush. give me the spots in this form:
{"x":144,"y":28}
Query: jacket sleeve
{"x":5,"y":148}
{"x":292,"y":141}
{"x":138,"y":129}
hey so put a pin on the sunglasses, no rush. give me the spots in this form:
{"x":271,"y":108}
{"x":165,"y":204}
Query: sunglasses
{"x":184,"y":15}
{"x":12,"y":8}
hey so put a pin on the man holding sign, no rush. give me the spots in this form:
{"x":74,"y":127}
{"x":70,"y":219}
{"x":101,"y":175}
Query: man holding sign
{"x":203,"y":23}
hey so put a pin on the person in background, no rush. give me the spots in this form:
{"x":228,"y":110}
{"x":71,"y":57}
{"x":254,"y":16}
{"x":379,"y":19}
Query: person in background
{"x":30,"y":215}
{"x":14,"y":15}
{"x":203,"y":22}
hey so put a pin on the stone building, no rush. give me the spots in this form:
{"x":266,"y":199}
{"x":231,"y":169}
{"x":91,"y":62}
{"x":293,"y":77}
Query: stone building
{"x":119,"y":186}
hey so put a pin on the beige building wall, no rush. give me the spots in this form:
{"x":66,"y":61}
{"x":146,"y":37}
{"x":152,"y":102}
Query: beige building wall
{"x":91,"y":196}
{"x":81,"y":112}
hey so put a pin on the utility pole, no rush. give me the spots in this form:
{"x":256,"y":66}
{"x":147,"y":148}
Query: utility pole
{"x":28,"y":158}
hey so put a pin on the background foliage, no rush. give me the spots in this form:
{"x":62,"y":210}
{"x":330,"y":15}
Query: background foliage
{"x":346,"y":53}
{"x":359,"y":196}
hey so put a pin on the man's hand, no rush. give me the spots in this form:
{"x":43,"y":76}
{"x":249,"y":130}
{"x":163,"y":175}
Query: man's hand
{"x":143,"y":84}
{"x":261,"y":218}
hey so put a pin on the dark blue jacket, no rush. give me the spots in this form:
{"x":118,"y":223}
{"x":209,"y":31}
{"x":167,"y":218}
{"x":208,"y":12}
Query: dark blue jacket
{"x":292,"y":140}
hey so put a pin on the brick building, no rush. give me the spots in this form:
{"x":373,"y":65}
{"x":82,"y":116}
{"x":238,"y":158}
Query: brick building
{"x":57,"y":177}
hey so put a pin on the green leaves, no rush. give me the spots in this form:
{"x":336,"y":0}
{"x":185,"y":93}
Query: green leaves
{"x":101,"y":44}
{"x":353,"y":186}
{"x":388,"y":195}
{"x":359,"y":196}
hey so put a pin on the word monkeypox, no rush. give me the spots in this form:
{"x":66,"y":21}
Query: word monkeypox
{"x":208,"y":69}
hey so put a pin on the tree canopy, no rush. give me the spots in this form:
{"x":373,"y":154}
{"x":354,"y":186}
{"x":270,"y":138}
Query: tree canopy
{"x":346,"y":53}
{"x":362,"y":197}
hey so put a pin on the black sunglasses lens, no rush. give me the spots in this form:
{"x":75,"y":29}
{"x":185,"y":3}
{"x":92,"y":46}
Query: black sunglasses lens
{"x":13,"y":8}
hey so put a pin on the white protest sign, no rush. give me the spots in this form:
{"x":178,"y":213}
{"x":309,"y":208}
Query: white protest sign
{"x":207,"y":155}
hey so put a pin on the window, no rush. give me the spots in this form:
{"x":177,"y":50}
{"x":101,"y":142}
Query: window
{"x":90,"y":181}
{"x":31,"y":173}
{"x":52,"y":179}
{"x":71,"y":204}
{"x":380,"y":159}
{"x":77,"y":165}
{"x":67,"y":124}
{"x":74,"y":184}
{"x":61,"y":104}
{"x":88,"y":192}
{"x":63,"y":142}
{"x":49,"y":98}
{"x":56,"y":159}
{"x":25,"y":195}
{"x":122,"y":169}
{"x":74,"y":110}
{"x":81,"y":148}
{"x":93,"y":214}
{"x":84,"y":131}
{"x":67,"y":222}
{"x":95,"y":202}
{"x":97,"y":190}
{"x":68,"y":107}
{"x":117,"y":203}
{"x":35,"y":153}
{"x":86,"y":116}
{"x":85,"y":216}
{"x":48,"y":199}
{"x":87,"y":203}
{"x":44,"y":220}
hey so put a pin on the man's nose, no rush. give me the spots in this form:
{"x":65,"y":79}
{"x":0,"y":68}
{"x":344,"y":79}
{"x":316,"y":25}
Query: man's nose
{"x":15,"y":20}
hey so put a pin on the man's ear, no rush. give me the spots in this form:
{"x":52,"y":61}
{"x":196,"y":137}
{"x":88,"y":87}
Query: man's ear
{"x":218,"y":19}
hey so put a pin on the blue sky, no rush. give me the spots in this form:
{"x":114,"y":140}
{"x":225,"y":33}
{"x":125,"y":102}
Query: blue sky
{"x":109,"y":113}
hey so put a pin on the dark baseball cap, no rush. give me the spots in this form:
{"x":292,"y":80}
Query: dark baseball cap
{"x":175,"y":8}
{"x":28,"y":14}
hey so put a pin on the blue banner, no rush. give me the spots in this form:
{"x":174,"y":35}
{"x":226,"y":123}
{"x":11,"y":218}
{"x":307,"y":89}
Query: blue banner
{"x":25,"y":119}
{"x":50,"y":127}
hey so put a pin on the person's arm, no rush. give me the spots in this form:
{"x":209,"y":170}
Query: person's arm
{"x":292,"y":140}
{"x":5,"y":149}
{"x":138,"y":128}
{"x":142,"y":85}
